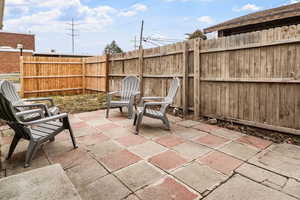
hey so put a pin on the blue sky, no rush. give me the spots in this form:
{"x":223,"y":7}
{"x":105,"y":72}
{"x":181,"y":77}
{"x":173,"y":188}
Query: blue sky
{"x":101,"y":21}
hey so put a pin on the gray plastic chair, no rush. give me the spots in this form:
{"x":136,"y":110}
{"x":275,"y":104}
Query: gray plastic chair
{"x":130,"y":89}
{"x":37,"y":131}
{"x":146,"y":108}
{"x":9,"y":91}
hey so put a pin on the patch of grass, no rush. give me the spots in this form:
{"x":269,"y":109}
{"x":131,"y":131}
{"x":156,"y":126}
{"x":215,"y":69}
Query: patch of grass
{"x":80,"y":103}
{"x":11,"y":78}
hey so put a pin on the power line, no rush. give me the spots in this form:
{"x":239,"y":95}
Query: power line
{"x":73,"y":34}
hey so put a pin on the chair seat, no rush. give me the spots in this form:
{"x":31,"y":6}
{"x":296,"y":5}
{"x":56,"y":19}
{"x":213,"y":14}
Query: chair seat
{"x":44,"y":130}
{"x":154,"y":113}
{"x":117,"y":103}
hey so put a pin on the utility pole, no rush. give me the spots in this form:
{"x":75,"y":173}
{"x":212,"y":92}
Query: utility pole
{"x":135,"y":44}
{"x":73,"y":34}
{"x":141,"y":35}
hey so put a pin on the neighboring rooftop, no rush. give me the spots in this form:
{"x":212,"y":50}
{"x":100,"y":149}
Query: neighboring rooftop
{"x":271,"y":18}
{"x":13,"y":39}
{"x":54,"y":54}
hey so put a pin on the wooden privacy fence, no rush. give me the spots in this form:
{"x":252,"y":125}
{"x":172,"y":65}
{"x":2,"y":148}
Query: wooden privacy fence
{"x":251,"y":78}
{"x":44,"y":76}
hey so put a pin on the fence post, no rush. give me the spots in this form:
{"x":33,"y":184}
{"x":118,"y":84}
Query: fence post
{"x":185,"y":79}
{"x":83,"y":75}
{"x":197,"y":75}
{"x":106,"y":72}
{"x":141,"y":70}
{"x":22,"y":76}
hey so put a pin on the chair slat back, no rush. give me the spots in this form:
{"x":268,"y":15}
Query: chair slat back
{"x":130,"y":85}
{"x":169,"y":99}
{"x":6,"y":111}
{"x":9,"y":91}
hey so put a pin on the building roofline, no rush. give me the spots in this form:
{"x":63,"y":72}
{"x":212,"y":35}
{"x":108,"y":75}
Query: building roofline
{"x":268,"y":15}
{"x":17,"y":33}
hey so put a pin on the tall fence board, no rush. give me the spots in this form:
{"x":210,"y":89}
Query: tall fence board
{"x":251,"y":78}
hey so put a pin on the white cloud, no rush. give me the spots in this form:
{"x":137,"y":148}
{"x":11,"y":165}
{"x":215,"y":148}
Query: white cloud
{"x":139,"y":7}
{"x":206,"y":19}
{"x":134,"y":10}
{"x":247,"y":7}
{"x":293,"y":1}
{"x":53,"y":15}
{"x":186,"y":0}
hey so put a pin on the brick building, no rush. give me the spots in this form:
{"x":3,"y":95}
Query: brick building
{"x":10,"y":54}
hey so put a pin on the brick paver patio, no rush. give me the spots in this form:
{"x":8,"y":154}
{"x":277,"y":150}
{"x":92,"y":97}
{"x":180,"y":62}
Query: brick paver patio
{"x":192,"y":161}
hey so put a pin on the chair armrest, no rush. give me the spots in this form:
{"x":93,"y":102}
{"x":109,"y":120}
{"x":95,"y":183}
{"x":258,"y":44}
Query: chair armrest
{"x":47,"y":119}
{"x":154,"y":103}
{"x":27,"y":112}
{"x":152,"y":98}
{"x":40,"y":105}
{"x":136,"y":93}
{"x":41,"y":99}
{"x":112,"y":93}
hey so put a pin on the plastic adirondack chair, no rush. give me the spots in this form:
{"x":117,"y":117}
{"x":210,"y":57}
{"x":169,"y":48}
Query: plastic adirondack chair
{"x":36,"y":131}
{"x":130,"y":89}
{"x":164,"y":103}
{"x":9,"y":91}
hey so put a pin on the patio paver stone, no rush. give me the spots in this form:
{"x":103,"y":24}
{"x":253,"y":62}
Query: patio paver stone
{"x":107,"y":127}
{"x":199,"y":177}
{"x":191,"y":150}
{"x":188,"y":123}
{"x":167,"y":188}
{"x":226,"y":133}
{"x":212,"y":141}
{"x":86,"y":172}
{"x":169,"y":140}
{"x":147,"y":149}
{"x":117,"y":132}
{"x":131,"y":140}
{"x":139,"y":175}
{"x":238,"y":188}
{"x":221,"y":162}
{"x":92,"y":139}
{"x":107,"y":187}
{"x":262,"y":176}
{"x":280,"y":158}
{"x":70,"y":158}
{"x":118,"y":160}
{"x":163,"y":160}
{"x":241,"y":151}
{"x":255,"y":141}
{"x":98,"y":122}
{"x":101,"y":150}
{"x":206,"y":127}
{"x":293,"y":188}
{"x":187,"y":133}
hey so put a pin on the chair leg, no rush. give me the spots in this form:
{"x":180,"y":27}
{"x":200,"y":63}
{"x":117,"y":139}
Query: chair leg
{"x":130,"y":111}
{"x":68,"y":126}
{"x":12,"y":147}
{"x":32,"y":149}
{"x":73,"y":138}
{"x":166,"y":122}
{"x":135,"y":119}
{"x":121,"y":110}
{"x":139,"y":121}
{"x":107,"y":111}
